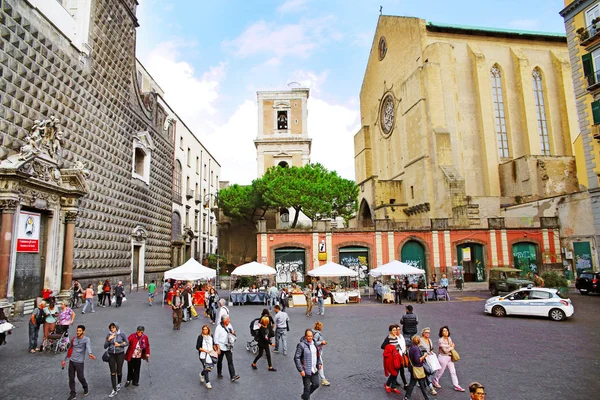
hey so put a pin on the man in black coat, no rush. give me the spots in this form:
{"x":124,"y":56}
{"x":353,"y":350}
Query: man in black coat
{"x":410,"y":323}
{"x":119,"y":293}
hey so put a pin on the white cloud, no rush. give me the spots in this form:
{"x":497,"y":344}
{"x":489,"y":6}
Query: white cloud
{"x":526,"y":24}
{"x":310,"y":79}
{"x":298,"y":40}
{"x":292,"y":6}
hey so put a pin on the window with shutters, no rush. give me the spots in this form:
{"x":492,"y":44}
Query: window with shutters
{"x":540,"y":110}
{"x":596,"y":112}
{"x":499,"y":117}
{"x":591,"y":68}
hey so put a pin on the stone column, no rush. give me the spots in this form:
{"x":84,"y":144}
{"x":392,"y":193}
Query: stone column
{"x":67,"y":275}
{"x":8,"y":206}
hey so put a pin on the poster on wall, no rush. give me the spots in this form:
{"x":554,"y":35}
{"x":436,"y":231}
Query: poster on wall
{"x":466,"y":254}
{"x":28,"y":232}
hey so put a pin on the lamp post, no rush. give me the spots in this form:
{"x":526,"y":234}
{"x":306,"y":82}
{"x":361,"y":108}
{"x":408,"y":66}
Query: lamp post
{"x":207,"y":206}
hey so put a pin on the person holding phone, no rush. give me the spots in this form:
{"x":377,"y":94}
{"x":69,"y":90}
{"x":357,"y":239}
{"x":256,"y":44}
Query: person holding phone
{"x":115,"y":344}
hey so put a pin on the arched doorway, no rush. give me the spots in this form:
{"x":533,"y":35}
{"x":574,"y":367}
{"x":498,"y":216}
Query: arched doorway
{"x":413,"y":253}
{"x":365,"y":218}
{"x":356,"y":258}
{"x":290,"y":264}
{"x":525,"y":258}
{"x":471,"y":257}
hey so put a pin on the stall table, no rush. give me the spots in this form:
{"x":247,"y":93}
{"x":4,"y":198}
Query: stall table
{"x":252,"y":297}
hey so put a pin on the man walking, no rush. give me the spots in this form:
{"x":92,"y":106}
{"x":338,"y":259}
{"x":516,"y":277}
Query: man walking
{"x":320,"y":295}
{"x":273,"y":294}
{"x":281,"y":329}
{"x":223,"y":311}
{"x":176,"y":305}
{"x":80,"y":345}
{"x":138,"y":350}
{"x":420,"y":290}
{"x":397,"y":288}
{"x":308,"y":295}
{"x":224,"y":345}
{"x":119,"y":293}
{"x":410,"y":323}
{"x":308,"y":363}
{"x":186,"y":299}
{"x":88,"y":296}
{"x":151,"y":292}
{"x":35,"y":321}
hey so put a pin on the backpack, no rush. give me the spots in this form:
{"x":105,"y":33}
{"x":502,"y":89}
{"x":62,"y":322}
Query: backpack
{"x":40,"y":318}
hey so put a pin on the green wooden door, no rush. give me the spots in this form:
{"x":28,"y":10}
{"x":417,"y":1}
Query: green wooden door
{"x":583,"y":256}
{"x":413,"y":254}
{"x":525,"y":258}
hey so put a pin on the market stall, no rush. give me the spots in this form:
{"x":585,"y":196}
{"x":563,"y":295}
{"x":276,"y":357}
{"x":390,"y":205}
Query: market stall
{"x":244,"y":295}
{"x":191,"y":270}
{"x":332,"y":269}
{"x":393,"y":268}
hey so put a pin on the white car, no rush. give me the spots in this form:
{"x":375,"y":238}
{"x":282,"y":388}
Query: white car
{"x":531,"y":301}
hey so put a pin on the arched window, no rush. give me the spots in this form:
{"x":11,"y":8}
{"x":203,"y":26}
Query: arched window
{"x":177,"y":181}
{"x":283,"y":164}
{"x":540,"y":111}
{"x":499,"y":117}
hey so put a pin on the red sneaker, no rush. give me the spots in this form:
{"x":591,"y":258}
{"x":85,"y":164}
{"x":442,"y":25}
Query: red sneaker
{"x":396,"y":391}
{"x":387,"y":388}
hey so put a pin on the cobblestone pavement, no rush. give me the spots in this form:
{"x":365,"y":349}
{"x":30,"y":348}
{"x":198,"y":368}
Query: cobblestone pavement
{"x":515,"y":358}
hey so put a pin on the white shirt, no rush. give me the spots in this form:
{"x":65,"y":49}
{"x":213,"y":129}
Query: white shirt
{"x":223,"y":311}
{"x":313,"y":357}
{"x":221,"y":336}
{"x":207,"y":343}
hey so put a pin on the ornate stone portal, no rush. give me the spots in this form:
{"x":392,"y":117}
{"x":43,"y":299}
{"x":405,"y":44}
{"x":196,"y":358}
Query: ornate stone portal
{"x":40,"y":181}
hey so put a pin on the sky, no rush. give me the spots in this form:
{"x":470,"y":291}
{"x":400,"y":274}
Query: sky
{"x":212,"y":56}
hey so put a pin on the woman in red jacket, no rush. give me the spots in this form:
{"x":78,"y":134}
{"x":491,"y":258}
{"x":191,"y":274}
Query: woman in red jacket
{"x":392,"y":360}
{"x":139,"y":348}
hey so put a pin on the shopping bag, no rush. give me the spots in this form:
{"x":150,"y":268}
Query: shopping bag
{"x":124,"y":299}
{"x":114,"y":299}
{"x":193,"y":310}
{"x":433,"y":362}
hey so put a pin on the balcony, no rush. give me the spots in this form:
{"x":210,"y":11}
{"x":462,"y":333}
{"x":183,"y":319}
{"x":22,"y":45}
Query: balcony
{"x":189,"y":194}
{"x":593,"y":81}
{"x":589,"y":35}
{"x":197,"y":199}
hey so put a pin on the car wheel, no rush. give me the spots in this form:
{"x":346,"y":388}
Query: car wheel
{"x":557,"y":314}
{"x":494,"y":291}
{"x":498,"y":311}
{"x":583,"y":291}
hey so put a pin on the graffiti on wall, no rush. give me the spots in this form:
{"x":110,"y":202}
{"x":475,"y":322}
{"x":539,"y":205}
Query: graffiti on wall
{"x":289,"y":271}
{"x":356,"y":263}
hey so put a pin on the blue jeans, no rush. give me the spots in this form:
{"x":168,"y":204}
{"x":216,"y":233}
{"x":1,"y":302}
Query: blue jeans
{"x":88,"y":302}
{"x":321,"y":305}
{"x":272,"y":302}
{"x":281,"y":334}
{"x":33,"y":336}
{"x":186,"y":314}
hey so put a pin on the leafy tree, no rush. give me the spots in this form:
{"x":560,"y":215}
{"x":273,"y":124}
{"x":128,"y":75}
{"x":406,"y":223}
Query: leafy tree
{"x":243,"y":202}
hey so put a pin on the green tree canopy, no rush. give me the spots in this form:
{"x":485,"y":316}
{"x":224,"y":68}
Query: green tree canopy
{"x":310,"y":189}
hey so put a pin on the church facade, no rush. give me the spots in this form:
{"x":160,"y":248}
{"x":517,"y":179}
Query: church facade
{"x":86,"y":156}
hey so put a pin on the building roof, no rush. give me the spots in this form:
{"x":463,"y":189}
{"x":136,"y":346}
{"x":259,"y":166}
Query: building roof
{"x":497,"y":32}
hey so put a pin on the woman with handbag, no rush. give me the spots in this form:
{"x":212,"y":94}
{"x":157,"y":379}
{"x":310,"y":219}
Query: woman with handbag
{"x":447,"y":356}
{"x":207,"y":354}
{"x":115,"y":344}
{"x":418,"y":376}
{"x":431,"y":365}
{"x":263,"y":337}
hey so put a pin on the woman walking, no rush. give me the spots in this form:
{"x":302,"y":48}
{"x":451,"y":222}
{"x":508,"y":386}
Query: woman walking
{"x":206,"y":349}
{"x":446,"y":345}
{"x":213,"y":304}
{"x":106,"y":289}
{"x":115,"y":344}
{"x":392,"y":358}
{"x":320,"y":342}
{"x":263,"y":337}
{"x":417,"y":372}
{"x":426,"y":347}
{"x":100,"y":293}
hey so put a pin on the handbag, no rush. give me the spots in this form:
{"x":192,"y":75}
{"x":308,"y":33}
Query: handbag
{"x":454,"y":356}
{"x":105,"y":356}
{"x":417,"y":372}
{"x":231,"y":338}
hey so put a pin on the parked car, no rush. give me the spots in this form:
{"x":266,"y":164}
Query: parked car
{"x":588,"y":282}
{"x":506,"y":280}
{"x":543,"y":302}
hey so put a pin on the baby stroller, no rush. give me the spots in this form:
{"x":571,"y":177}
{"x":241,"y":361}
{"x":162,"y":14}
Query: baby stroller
{"x":58,"y":340}
{"x":252,"y":345}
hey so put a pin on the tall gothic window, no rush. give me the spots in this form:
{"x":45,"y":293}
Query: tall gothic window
{"x":540,"y":110}
{"x":499,"y":117}
{"x":177,"y":181}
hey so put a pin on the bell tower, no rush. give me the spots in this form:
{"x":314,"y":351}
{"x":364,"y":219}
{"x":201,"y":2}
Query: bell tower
{"x":282,"y":129}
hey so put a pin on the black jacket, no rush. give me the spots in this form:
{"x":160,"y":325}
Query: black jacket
{"x":409,"y":322}
{"x":119,"y":291}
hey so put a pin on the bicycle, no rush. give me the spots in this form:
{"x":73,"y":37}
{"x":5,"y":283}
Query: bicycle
{"x":75,"y":300}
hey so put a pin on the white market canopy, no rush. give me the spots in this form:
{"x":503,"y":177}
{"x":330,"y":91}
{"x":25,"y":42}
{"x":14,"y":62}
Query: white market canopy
{"x":396,"y":268}
{"x":253,"y":269}
{"x":332,"y":269}
{"x":192,"y":270}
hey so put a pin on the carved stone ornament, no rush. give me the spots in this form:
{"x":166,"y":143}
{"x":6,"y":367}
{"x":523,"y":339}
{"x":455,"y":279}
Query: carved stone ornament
{"x":139,"y":234}
{"x":8,"y":206}
{"x":42,"y":170}
{"x":71,"y":217}
{"x":45,"y":137}
{"x":387,"y":114}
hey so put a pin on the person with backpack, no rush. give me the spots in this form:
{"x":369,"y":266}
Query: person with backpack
{"x":263,"y":337}
{"x":37,"y":319}
{"x":115,"y":344}
{"x":106,"y":289}
{"x":80,"y":345}
{"x":205,"y":344}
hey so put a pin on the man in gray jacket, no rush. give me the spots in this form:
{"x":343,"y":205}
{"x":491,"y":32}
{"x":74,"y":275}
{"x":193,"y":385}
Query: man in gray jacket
{"x":308,"y":363}
{"x":80,"y":345}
